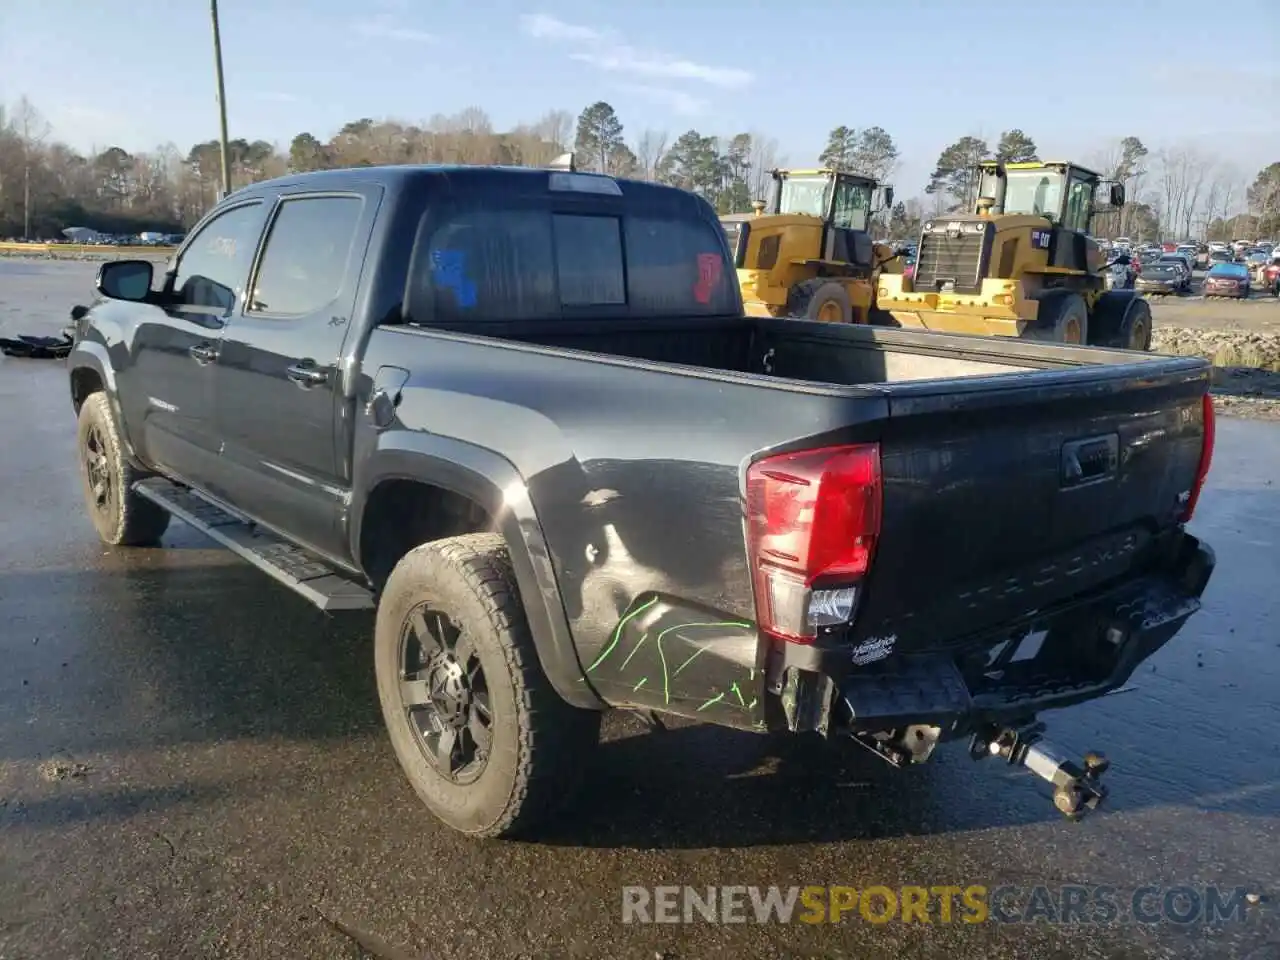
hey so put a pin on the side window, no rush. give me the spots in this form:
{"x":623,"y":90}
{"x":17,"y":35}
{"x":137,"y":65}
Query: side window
{"x":851,"y":205}
{"x":589,"y":260}
{"x":487,"y":265}
{"x":308,"y":251}
{"x":678,"y":268}
{"x":1079,"y":200}
{"x":215,"y":264}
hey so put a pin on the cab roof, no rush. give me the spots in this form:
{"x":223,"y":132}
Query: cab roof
{"x":823,"y":172}
{"x":1044,"y":164}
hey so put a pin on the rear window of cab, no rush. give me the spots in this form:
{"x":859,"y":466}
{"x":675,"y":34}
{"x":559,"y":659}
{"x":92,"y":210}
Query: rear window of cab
{"x":534,"y":262}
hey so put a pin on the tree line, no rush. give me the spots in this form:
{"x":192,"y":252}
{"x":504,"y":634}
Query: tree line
{"x":46,"y":186}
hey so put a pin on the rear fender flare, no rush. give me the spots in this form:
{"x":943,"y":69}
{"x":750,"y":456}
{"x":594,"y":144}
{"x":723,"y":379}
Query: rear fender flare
{"x":493,"y":482}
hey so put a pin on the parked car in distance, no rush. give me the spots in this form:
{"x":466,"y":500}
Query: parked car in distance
{"x":1161,"y":278}
{"x":1220,"y":255}
{"x":1184,"y":264}
{"x":1227,"y":280}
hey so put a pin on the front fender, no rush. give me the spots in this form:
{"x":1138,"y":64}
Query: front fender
{"x":90,"y":356}
{"x":494,"y":483}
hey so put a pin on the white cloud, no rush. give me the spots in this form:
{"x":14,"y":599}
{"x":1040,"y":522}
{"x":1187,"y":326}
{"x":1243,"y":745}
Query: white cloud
{"x":544,"y":27}
{"x":607,"y":50}
{"x":384,"y":27}
{"x":677,"y":101}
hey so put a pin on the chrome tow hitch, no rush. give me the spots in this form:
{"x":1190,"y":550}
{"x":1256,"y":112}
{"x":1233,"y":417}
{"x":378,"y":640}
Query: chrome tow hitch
{"x":1077,"y":787}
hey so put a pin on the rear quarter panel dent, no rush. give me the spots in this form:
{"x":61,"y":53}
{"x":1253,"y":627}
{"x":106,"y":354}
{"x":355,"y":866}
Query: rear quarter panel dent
{"x":494,"y":483}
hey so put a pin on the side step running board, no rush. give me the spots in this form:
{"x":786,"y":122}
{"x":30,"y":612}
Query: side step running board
{"x":298,"y":570}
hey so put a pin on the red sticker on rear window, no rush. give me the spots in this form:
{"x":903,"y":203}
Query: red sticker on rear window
{"x":710,"y":269}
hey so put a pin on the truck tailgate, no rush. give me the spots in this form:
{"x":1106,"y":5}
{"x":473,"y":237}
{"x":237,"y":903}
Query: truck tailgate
{"x":1005,"y":496}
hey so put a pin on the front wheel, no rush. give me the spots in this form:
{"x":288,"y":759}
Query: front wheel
{"x":1060,"y":318}
{"x":827,"y":301}
{"x":484,"y":739}
{"x":121,"y":517}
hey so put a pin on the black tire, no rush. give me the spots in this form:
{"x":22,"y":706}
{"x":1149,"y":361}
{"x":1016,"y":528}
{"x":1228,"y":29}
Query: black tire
{"x":121,"y":517}
{"x":1135,"y":328}
{"x":538,"y":745}
{"x":1062,"y":317}
{"x":811,"y":298}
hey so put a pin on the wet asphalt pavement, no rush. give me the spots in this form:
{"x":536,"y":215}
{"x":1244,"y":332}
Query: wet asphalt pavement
{"x":192,"y":765}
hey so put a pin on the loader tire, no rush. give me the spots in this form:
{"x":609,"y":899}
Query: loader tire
{"x":454,"y":657}
{"x":826,"y":301}
{"x":1135,"y":328}
{"x":121,"y":517}
{"x":1062,"y":317}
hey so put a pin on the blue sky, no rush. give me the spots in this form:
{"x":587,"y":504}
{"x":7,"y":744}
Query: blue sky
{"x":140,"y":73}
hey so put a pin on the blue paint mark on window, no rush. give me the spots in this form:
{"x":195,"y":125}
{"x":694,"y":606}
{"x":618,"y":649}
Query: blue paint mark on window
{"x":449,"y":267}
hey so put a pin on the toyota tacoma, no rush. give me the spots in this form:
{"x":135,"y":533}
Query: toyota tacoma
{"x":521,"y":418}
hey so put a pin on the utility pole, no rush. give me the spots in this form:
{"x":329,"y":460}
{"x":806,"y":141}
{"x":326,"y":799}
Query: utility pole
{"x":222,"y":99}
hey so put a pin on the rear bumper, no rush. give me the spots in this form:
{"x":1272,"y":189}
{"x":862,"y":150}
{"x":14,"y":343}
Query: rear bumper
{"x":1087,"y":648}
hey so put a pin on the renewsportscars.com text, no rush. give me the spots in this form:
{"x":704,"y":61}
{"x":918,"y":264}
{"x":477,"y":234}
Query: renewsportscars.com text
{"x":973,"y":904}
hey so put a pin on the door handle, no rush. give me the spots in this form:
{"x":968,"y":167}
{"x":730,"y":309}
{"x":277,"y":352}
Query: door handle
{"x":306,"y":374}
{"x":204,"y":353}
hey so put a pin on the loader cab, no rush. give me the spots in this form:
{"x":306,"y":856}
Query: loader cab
{"x":842,"y":199}
{"x":843,"y":202}
{"x":1065,"y":194}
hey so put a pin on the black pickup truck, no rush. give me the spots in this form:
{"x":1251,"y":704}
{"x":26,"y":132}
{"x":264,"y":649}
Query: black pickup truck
{"x":521,"y":414}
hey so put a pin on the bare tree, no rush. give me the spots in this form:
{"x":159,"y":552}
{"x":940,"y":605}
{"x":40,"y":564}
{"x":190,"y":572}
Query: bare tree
{"x":1197,"y":171}
{"x":764,"y":158}
{"x":1172,"y":187}
{"x":649,"y":151}
{"x":556,"y":128}
{"x":1223,"y":186}
{"x":32,"y":129}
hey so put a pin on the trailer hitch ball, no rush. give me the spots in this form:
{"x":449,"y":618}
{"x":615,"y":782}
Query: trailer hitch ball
{"x":1077,"y":787}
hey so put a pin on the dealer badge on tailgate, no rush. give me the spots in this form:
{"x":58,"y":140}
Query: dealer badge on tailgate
{"x":873,"y":649}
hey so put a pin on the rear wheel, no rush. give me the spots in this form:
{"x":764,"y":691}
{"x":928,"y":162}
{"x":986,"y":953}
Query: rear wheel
{"x":1061,"y":318}
{"x":485,"y":741}
{"x":826,"y":301}
{"x":1135,"y":328}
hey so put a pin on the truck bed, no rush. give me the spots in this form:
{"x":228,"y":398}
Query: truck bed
{"x":636,"y":436}
{"x":812,"y":353}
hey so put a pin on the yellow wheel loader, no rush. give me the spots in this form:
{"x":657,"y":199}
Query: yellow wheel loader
{"x":1022,"y":264}
{"x":806,"y":251}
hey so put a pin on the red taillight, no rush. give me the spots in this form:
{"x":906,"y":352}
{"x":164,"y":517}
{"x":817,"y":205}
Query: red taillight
{"x":812,"y":522}
{"x":1206,"y":458}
